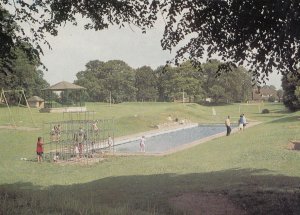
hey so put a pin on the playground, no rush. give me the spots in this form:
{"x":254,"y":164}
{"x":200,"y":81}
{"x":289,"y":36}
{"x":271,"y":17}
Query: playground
{"x":81,"y":137}
{"x":251,"y":171}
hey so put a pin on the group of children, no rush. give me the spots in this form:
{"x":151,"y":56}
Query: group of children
{"x":242,"y":122}
{"x":55,"y":133}
{"x":79,"y":137}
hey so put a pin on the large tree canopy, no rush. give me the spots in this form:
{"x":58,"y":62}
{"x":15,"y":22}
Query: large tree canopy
{"x":25,"y":76}
{"x":104,"y":80}
{"x":264,"y":35}
{"x":261,"y":34}
{"x":46,"y":16}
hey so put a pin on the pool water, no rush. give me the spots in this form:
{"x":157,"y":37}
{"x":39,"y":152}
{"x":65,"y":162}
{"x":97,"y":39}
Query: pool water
{"x":163,"y":142}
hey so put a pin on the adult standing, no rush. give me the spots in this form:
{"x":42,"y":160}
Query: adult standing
{"x":244,"y":121}
{"x":39,"y":149}
{"x":241,"y":123}
{"x":227,"y":124}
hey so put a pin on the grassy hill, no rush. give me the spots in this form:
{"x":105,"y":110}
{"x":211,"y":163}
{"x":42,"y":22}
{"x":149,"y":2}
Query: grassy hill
{"x":253,"y":170}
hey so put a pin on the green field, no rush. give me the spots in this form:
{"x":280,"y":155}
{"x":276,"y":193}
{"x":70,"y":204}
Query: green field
{"x":253,"y":169}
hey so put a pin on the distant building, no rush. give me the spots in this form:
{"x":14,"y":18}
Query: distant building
{"x":64,"y":97}
{"x":36,"y":102}
{"x":264,"y":93}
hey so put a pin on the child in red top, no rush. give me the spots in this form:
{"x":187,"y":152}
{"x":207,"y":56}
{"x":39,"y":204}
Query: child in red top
{"x":39,"y":149}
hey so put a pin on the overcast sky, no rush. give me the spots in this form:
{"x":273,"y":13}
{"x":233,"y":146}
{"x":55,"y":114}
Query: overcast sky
{"x":74,"y":47}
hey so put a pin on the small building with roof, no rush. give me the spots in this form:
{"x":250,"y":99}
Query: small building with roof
{"x":64,"y":97}
{"x":35,"y":102}
{"x":264,"y":93}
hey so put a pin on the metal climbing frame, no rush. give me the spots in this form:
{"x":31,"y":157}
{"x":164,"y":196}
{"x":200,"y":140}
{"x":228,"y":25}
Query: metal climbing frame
{"x":79,"y":138}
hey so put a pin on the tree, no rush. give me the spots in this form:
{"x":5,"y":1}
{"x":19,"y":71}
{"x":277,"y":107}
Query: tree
{"x":173,"y":81}
{"x":104,"y":79}
{"x":146,"y":84}
{"x":263,"y":35}
{"x":9,"y":41}
{"x":44,"y":17}
{"x":92,"y":78}
{"x":233,"y":86}
{"x":24,"y":75}
{"x":189,"y":81}
{"x":291,"y":97}
{"x":280,"y":94}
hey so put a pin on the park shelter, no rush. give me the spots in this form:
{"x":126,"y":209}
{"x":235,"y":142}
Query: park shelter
{"x":35,"y":102}
{"x":64,"y":97}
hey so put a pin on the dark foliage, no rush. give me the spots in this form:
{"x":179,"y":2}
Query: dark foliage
{"x":46,"y":16}
{"x":261,"y":34}
{"x":265,"y":111}
{"x":290,"y":98}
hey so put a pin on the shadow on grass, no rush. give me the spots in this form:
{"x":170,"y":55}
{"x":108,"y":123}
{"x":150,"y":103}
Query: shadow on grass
{"x":255,"y":191}
{"x":212,"y":104}
{"x":285,"y":111}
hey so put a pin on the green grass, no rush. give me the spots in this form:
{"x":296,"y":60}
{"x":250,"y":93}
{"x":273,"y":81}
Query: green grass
{"x":253,"y":169}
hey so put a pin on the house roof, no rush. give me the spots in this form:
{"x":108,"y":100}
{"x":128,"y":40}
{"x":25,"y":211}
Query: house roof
{"x":35,"y":99}
{"x":64,"y":86}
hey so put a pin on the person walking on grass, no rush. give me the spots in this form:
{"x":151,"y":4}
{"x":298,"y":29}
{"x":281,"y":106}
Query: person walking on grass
{"x":244,"y":121}
{"x":227,"y":124}
{"x":39,"y":149}
{"x":241,"y":123}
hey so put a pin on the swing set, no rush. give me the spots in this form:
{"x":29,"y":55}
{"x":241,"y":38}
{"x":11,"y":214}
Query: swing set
{"x":18,"y":96}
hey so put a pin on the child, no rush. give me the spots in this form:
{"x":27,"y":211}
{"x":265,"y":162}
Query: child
{"x":142,"y":144}
{"x":56,"y":157}
{"x":95,"y":127}
{"x":76,"y":150}
{"x":39,"y":149}
{"x":110,"y":142}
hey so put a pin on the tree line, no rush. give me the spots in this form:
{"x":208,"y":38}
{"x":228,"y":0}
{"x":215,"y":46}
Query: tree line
{"x":117,"y":81}
{"x":25,"y":75}
{"x":214,"y":27}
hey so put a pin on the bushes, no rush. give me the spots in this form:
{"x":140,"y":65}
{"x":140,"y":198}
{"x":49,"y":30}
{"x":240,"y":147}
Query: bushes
{"x":264,"y":111}
{"x":271,"y":99}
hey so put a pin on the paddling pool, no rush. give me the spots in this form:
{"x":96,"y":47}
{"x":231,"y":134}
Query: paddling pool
{"x":164,"y":142}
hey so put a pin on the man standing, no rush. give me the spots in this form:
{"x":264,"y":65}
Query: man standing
{"x":244,"y":122}
{"x":227,"y":124}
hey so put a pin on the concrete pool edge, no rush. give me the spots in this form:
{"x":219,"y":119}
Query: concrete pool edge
{"x":187,"y":145}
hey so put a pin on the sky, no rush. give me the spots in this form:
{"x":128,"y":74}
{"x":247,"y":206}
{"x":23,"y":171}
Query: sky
{"x":74,"y":47}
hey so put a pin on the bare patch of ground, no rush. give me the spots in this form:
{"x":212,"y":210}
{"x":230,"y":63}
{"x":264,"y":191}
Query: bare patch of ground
{"x":84,"y":160}
{"x":21,"y":128}
{"x":294,"y":145}
{"x":204,"y":204}
{"x":81,"y":161}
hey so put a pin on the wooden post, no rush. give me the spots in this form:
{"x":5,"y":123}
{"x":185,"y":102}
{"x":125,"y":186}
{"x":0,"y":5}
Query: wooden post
{"x":22,"y":91}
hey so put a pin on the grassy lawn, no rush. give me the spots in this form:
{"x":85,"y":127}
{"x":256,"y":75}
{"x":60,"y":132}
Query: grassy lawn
{"x":253,"y":169}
